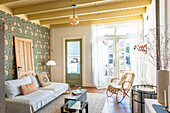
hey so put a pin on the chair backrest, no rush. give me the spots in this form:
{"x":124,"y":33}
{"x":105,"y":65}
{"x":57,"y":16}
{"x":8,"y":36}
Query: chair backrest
{"x":127,"y":76}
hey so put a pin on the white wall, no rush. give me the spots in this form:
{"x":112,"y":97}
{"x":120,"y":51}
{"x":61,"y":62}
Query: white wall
{"x":148,"y":24}
{"x":57,"y":35}
{"x":151,"y":23}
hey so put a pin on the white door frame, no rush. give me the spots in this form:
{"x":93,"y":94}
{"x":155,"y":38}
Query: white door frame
{"x":83,"y":57}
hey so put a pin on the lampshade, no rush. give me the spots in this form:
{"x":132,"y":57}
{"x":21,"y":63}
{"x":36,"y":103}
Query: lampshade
{"x":74,"y":20}
{"x":51,"y":62}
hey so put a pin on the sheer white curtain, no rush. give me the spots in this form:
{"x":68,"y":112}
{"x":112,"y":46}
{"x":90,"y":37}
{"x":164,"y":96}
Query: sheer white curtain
{"x":137,"y":64}
{"x":135,"y":31}
{"x":98,"y":67}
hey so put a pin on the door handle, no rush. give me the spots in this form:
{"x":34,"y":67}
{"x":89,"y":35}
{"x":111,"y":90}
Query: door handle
{"x":19,"y":67}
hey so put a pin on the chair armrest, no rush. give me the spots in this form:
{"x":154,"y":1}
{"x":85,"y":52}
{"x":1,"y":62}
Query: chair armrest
{"x":126,"y":82}
{"x":113,"y":79}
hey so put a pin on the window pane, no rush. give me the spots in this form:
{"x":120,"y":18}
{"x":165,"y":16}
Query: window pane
{"x":122,"y":31}
{"x":121,"y":64}
{"x":121,"y":53}
{"x":121,"y":43}
{"x":73,"y":48}
{"x":110,"y":61}
{"x":109,"y":32}
{"x":110,"y":55}
{"x":110,"y":44}
{"x":73,"y":57}
{"x":128,"y":66}
{"x":110,"y":71}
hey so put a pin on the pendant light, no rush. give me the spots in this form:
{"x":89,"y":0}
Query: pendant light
{"x":74,"y":20}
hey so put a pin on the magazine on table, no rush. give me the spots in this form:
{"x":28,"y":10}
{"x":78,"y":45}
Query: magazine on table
{"x":76,"y":92}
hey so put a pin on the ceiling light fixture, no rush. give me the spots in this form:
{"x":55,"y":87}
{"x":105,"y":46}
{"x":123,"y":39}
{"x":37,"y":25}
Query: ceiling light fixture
{"x":74,"y":20}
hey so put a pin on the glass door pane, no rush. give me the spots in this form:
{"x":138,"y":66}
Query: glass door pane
{"x":121,"y":56}
{"x":124,"y":55}
{"x":109,"y":58}
{"x":73,"y":62}
{"x":73,"y":57}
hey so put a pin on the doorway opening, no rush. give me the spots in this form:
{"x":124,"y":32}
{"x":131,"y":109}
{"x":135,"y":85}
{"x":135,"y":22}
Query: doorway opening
{"x":73,"y":61}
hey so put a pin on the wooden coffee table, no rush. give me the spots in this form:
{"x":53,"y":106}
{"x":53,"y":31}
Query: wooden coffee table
{"x":81,"y":97}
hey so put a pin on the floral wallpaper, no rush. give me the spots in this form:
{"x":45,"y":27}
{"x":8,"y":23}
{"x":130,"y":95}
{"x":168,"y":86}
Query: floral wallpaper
{"x":15,"y":26}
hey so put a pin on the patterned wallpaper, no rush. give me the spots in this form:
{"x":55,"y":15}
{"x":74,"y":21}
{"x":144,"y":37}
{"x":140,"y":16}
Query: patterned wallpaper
{"x":15,"y":26}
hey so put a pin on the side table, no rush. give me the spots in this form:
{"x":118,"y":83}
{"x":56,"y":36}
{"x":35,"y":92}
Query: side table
{"x":143,"y":92}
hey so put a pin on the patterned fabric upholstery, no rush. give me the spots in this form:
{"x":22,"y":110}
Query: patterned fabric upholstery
{"x":43,"y":79}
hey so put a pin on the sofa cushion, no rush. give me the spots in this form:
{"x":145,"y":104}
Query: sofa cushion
{"x":56,"y":87}
{"x":43,"y":79}
{"x":35,"y":99}
{"x":12,"y":87}
{"x":34,"y":79}
{"x":28,"y":88}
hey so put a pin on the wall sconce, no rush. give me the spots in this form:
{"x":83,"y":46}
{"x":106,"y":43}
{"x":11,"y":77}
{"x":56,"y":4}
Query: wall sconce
{"x":141,"y":48}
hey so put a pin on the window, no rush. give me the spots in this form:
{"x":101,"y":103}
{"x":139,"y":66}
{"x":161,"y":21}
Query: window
{"x":117,"y":51}
{"x":73,"y":54}
{"x":109,"y":59}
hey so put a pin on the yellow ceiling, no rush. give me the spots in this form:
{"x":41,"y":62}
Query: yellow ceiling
{"x":55,"y":13}
{"x":21,"y":3}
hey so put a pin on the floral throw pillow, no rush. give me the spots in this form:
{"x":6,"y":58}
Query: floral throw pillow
{"x":43,"y":79}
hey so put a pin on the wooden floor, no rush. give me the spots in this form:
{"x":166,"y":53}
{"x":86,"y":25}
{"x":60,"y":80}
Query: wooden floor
{"x":110,"y":105}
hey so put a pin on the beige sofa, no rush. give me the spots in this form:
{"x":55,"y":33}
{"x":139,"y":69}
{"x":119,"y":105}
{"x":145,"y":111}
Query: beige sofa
{"x":17,"y":103}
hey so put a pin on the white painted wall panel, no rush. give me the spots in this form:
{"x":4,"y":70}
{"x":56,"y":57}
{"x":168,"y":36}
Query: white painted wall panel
{"x":151,"y":23}
{"x":148,"y":24}
{"x":57,"y":35}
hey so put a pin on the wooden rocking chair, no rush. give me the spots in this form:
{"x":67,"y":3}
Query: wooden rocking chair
{"x":121,"y":86}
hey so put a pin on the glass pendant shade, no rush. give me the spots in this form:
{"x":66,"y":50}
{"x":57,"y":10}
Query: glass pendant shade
{"x":74,"y":20}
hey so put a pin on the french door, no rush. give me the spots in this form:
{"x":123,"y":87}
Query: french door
{"x":73,"y":61}
{"x":117,"y":56}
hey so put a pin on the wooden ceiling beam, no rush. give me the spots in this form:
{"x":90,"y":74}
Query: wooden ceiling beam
{"x":111,"y":14}
{"x":93,"y":9}
{"x":49,"y":6}
{"x":2,"y":2}
{"x":112,"y":20}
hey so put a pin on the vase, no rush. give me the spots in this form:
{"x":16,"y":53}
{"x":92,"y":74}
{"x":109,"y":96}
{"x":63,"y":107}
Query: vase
{"x":162,"y":84}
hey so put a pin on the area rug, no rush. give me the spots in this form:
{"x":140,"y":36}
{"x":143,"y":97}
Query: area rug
{"x":95,"y":103}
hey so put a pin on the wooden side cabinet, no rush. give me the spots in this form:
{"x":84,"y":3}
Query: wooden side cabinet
{"x":2,"y":69}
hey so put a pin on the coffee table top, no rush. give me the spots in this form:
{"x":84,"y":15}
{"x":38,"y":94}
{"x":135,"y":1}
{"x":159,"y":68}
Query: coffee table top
{"x":75,"y":97}
{"x":72,"y":105}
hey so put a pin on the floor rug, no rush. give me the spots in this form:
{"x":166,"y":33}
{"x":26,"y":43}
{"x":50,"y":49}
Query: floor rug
{"x":95,"y":103}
